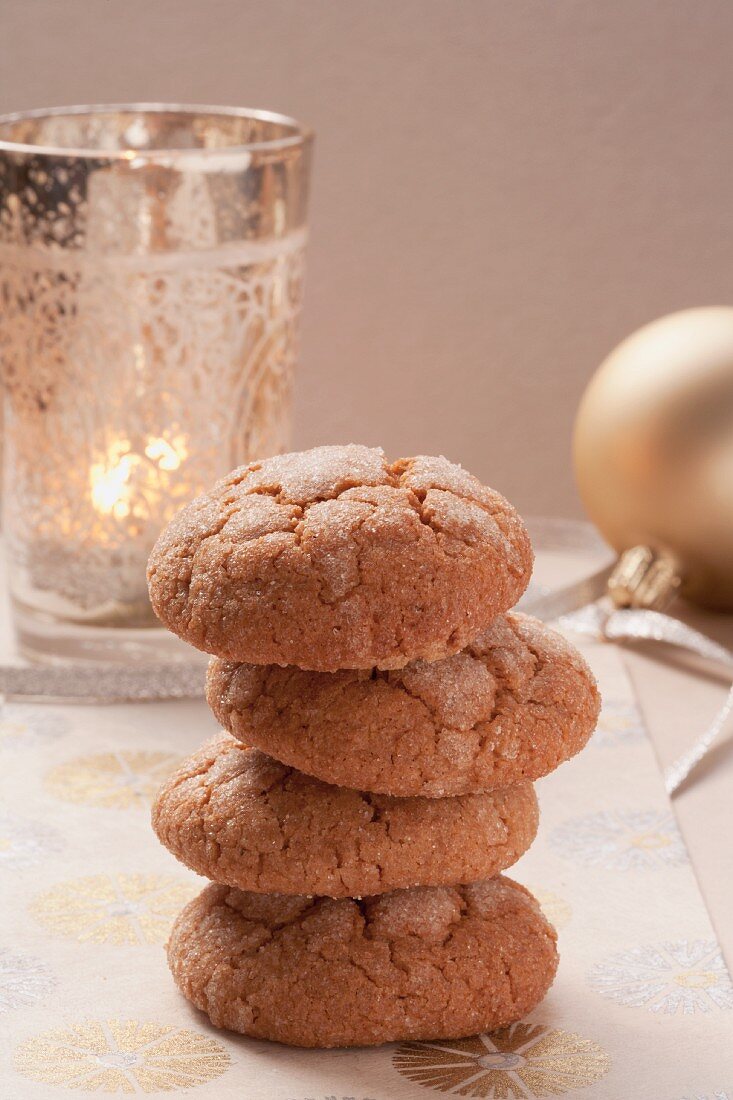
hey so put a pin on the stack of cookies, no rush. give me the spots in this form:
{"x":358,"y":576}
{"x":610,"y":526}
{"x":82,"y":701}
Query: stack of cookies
{"x":385,"y":718}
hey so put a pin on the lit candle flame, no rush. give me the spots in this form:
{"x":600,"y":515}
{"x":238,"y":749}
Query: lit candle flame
{"x":125,"y":475}
{"x":168,"y":456}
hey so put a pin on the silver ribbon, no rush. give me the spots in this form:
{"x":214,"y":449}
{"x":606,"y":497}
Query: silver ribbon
{"x":582,"y":608}
{"x":103,"y":683}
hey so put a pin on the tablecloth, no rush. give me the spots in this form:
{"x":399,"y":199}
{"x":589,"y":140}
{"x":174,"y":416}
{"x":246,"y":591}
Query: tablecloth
{"x":642,"y":1007}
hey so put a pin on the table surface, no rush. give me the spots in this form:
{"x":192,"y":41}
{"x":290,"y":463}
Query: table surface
{"x":79,"y":808}
{"x":679,"y":698}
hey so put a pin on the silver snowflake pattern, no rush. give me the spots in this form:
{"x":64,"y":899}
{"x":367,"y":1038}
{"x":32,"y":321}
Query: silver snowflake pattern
{"x":620,"y":723}
{"x":710,"y":1096}
{"x":686,"y":976}
{"x":23,"y":843}
{"x":23,"y":980}
{"x":622,"y":840}
{"x":24,"y":726}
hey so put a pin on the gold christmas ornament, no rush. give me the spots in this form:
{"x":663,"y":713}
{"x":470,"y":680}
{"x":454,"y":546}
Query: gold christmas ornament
{"x":653,"y":453}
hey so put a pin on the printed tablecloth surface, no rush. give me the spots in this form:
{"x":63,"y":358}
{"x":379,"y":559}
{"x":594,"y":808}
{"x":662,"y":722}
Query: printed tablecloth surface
{"x":642,"y":1008}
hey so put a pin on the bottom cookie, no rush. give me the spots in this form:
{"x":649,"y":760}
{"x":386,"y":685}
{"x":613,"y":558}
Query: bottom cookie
{"x":422,"y":963}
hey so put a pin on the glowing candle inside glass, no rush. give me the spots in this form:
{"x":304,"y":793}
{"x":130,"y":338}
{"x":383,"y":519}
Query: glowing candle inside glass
{"x":151,"y":283}
{"x":129,"y":485}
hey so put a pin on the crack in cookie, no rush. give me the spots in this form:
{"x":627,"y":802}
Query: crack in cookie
{"x":514,"y":704}
{"x":335,"y":558}
{"x":243,"y":819}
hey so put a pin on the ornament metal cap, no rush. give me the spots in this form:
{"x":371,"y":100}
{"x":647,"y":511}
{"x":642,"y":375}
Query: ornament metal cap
{"x":644,"y":578}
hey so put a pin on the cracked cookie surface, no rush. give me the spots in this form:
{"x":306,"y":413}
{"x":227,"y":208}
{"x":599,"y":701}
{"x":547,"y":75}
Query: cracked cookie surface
{"x":512,"y":705}
{"x":242,"y":819}
{"x":425,"y":963}
{"x":336,"y":558}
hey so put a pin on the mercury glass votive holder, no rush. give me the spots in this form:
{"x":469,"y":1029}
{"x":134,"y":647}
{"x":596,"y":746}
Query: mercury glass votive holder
{"x":151,"y":262}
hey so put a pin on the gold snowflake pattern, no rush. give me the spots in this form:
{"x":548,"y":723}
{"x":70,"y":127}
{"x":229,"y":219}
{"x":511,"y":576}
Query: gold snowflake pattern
{"x":620,"y":723}
{"x":524,"y":1060}
{"x":555,"y":908}
{"x":621,"y":840}
{"x":23,"y":843}
{"x":23,"y":980}
{"x":122,"y":1056}
{"x":114,"y":909}
{"x":113,"y":780}
{"x":24,"y":726}
{"x":685,"y":976}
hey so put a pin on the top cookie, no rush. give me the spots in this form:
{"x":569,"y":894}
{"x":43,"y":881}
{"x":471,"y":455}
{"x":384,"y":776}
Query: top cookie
{"x":335,"y":558}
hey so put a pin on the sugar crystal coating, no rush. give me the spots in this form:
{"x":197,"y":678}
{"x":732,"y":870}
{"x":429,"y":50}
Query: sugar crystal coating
{"x":334,"y":558}
{"x":355,"y":607}
{"x":243,"y":819}
{"x":425,"y":963}
{"x":513,"y":705}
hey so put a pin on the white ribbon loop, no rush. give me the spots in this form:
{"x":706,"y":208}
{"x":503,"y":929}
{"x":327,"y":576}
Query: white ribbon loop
{"x":600,"y":620}
{"x":654,"y":626}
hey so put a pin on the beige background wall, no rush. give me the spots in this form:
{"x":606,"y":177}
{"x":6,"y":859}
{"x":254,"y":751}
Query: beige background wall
{"x":503,"y":189}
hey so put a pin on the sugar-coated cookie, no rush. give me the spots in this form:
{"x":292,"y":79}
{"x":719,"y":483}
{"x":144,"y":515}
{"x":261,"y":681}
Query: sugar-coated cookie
{"x":242,"y":819}
{"x":514,"y":704}
{"x":425,"y":963}
{"x":336,"y":558}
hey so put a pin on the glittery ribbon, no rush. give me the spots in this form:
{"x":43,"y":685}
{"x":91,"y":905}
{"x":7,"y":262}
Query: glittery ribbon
{"x":104,"y":683}
{"x":573,"y":609}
